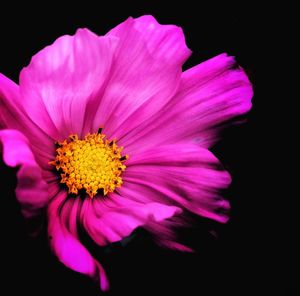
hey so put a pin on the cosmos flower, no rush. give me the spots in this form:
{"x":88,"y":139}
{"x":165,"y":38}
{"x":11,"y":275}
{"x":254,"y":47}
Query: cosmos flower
{"x":109,"y":134}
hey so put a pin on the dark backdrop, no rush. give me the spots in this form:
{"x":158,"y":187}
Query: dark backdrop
{"x":238,"y":259}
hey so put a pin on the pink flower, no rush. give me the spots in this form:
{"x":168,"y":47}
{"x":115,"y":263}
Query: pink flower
{"x":128,"y":83}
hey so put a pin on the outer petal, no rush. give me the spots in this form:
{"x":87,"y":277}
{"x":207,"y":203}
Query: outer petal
{"x":182,"y":175}
{"x":145,"y":74}
{"x":64,"y":240}
{"x":209,"y":95}
{"x":110,"y":220}
{"x":64,"y":79}
{"x":31,"y":190}
{"x":12,"y":116}
{"x":9,"y":94}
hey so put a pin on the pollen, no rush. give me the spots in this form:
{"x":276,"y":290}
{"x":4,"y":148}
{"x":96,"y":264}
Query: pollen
{"x":93,"y":164}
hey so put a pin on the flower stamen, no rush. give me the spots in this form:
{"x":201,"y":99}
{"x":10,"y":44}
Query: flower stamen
{"x":91,"y":164}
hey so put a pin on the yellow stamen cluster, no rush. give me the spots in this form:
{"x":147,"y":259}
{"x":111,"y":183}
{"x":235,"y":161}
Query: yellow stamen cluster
{"x":93,"y":164}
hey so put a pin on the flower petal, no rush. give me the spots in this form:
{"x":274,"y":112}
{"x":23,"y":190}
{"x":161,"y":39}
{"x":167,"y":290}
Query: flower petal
{"x":187,"y":176}
{"x":209,"y":95}
{"x":64,"y":79}
{"x":12,"y":116}
{"x":65,"y":243}
{"x":110,"y":220}
{"x":145,"y":74}
{"x":32,"y":190}
{"x":9,"y":94}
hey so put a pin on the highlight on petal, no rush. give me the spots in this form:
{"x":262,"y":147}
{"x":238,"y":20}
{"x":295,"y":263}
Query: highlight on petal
{"x":64,"y":79}
{"x":32,"y":190}
{"x":66,"y":246}
{"x":186,"y":176}
{"x":145,"y":74}
{"x":209,"y":95}
{"x":110,"y":220}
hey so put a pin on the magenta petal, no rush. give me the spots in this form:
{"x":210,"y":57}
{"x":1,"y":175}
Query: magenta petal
{"x":186,"y":176}
{"x":63,"y":79}
{"x":12,"y":116}
{"x":165,"y":42}
{"x":62,"y":232}
{"x":145,"y":74}
{"x":32,"y":190}
{"x":209,"y":95}
{"x":110,"y":220}
{"x":9,"y":95}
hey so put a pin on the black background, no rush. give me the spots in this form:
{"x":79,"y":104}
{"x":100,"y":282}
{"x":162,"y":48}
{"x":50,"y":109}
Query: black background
{"x":239,"y":259}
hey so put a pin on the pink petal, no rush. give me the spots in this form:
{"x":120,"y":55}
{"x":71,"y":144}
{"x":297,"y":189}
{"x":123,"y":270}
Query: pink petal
{"x":12,"y":116}
{"x":185,"y":176}
{"x":9,"y":97}
{"x":110,"y":220}
{"x":63,"y":82}
{"x":64,"y":240}
{"x":209,"y":95}
{"x":145,"y":74}
{"x":32,"y":190}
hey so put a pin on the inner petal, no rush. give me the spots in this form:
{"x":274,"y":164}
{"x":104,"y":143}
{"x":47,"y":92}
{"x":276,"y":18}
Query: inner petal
{"x":92,"y":164}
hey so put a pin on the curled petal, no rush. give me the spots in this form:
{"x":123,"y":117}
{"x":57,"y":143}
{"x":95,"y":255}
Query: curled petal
{"x":65,"y":243}
{"x":111,"y":220}
{"x":13,"y":116}
{"x":32,"y":190}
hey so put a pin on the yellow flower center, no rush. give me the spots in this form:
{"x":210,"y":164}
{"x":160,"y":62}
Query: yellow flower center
{"x":91,"y":164}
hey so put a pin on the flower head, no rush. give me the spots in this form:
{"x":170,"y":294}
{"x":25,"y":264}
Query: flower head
{"x":109,"y":135}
